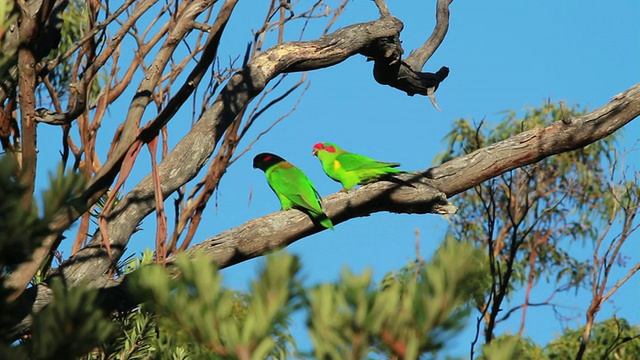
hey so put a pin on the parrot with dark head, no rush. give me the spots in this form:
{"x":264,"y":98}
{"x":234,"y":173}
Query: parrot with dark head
{"x":292,"y":187}
{"x":351,"y":169}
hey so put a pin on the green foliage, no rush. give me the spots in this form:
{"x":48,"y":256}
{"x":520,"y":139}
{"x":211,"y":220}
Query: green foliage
{"x":611,"y":339}
{"x":504,"y":348}
{"x":22,"y":232}
{"x":137,"y":337}
{"x":538,"y":205}
{"x":522,"y":216}
{"x":69,"y":326}
{"x":411,"y":314}
{"x":223,"y":324}
{"x":508,"y":347}
{"x":132,"y":263}
{"x":23,"y":228}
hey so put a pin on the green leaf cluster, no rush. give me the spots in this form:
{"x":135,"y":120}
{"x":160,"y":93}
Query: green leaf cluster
{"x":70,"y":326}
{"x":531,"y":209}
{"x":613,"y":338}
{"x":610,"y":339}
{"x":137,"y":337}
{"x":414,"y":311}
{"x":204,"y":318}
{"x":22,"y":229}
{"x":23,"y":226}
{"x":67,"y":328}
{"x":187,"y":313}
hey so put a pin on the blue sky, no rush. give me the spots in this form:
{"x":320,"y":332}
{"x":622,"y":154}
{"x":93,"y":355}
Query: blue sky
{"x":502,"y":54}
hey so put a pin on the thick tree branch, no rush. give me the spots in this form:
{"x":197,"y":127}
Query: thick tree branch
{"x":259,"y":236}
{"x":432,"y":186}
{"x":534,"y":145}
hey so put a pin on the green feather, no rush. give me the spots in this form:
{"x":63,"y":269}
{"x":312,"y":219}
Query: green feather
{"x":293,"y":188}
{"x":352,"y":169}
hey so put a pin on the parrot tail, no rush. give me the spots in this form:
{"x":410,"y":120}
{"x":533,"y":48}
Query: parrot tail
{"x":325,"y":221}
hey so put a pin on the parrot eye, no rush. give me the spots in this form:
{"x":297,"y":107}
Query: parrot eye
{"x":267,"y":158}
{"x":330,"y":149}
{"x":318,"y":146}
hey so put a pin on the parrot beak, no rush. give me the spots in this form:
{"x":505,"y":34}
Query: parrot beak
{"x":314,"y":152}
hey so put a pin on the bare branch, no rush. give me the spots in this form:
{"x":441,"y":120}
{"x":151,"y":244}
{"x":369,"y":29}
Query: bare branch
{"x":417,"y":59}
{"x":382,"y":8}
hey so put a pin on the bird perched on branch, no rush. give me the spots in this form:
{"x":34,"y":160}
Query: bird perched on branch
{"x":351,"y":169}
{"x":292,"y":187}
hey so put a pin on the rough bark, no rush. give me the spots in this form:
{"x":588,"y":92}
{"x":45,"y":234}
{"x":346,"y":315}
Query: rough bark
{"x":430,"y":189}
{"x":259,"y":236}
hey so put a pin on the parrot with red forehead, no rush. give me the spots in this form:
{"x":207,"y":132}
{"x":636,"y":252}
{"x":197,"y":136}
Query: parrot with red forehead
{"x":292,"y":187}
{"x":351,"y":169}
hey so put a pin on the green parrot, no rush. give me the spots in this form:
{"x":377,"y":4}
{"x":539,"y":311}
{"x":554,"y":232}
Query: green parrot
{"x":351,"y":169}
{"x":292,"y":186}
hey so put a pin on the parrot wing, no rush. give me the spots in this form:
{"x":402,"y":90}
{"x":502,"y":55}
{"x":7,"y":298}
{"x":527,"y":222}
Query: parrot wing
{"x":293,"y":184}
{"x":352,"y":162}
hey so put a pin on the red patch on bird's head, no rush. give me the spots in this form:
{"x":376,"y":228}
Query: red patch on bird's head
{"x":330,"y":149}
{"x":318,"y":146}
{"x":267,"y":158}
